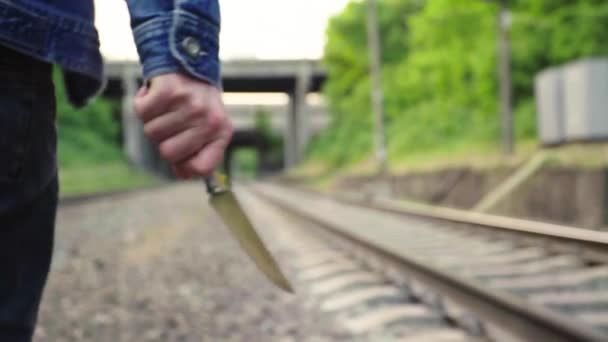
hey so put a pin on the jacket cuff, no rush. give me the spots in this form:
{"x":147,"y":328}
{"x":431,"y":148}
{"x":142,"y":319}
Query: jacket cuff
{"x":179,"y":42}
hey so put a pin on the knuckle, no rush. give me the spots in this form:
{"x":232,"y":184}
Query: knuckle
{"x":167,"y":92}
{"x":229,"y":128}
{"x":191,"y":116}
{"x":179,"y":92}
{"x":167,"y":151}
{"x":191,"y":119}
{"x":149,"y":131}
{"x":153,"y":133}
{"x":214,"y":123}
{"x":193,"y":113}
{"x":197,"y":109}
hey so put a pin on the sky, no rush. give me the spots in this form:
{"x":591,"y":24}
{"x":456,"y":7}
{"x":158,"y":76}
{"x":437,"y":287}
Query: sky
{"x":262,"y":29}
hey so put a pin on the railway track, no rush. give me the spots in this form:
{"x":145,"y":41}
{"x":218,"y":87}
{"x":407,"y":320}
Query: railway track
{"x":425,"y":274}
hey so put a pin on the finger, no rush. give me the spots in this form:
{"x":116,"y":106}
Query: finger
{"x":183,"y":145}
{"x":204,"y":162}
{"x":167,"y":125}
{"x":182,"y":172}
{"x":152,"y":102}
{"x":143,"y":90}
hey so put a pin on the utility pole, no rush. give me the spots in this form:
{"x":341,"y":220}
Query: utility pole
{"x":504,"y":71}
{"x":377,"y":96}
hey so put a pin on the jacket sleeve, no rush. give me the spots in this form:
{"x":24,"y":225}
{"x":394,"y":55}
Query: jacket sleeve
{"x":177,"y":36}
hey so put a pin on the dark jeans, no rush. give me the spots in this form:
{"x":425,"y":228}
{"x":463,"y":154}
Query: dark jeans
{"x":28,"y":190}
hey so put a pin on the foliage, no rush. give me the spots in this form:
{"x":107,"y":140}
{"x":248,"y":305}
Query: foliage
{"x":273,"y":155}
{"x":440,"y":70}
{"x":263,"y":126}
{"x":90,"y":155}
{"x":245,"y":163}
{"x":87,"y":135}
{"x":105,"y":176}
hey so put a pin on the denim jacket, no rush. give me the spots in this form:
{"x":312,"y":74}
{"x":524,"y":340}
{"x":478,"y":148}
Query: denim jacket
{"x":171,"y":36}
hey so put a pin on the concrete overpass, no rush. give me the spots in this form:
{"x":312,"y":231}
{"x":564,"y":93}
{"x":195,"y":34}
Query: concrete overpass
{"x":243,"y":116}
{"x":296,"y":78}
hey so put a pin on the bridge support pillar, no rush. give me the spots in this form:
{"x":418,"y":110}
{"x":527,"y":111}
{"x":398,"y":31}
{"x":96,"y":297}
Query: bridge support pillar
{"x":297,"y":131}
{"x":136,"y":147}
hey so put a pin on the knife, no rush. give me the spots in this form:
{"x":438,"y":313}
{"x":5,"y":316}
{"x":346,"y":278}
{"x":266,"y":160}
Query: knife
{"x":225,"y":203}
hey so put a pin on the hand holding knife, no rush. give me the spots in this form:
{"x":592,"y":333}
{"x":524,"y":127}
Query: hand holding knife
{"x":187,"y":119}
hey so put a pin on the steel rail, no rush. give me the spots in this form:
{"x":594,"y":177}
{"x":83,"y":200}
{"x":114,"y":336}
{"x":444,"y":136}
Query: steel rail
{"x":593,"y":244}
{"x":529,"y":323}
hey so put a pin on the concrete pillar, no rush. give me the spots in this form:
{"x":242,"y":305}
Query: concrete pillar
{"x":297,"y":130}
{"x":303,"y":117}
{"x":136,"y":147}
{"x":290,"y":141}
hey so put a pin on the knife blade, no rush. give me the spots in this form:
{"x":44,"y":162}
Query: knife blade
{"x":227,"y":206}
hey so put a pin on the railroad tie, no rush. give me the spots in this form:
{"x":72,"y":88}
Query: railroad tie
{"x":342,"y":301}
{"x":414,"y":314}
{"x":328,"y":269}
{"x":343,"y":281}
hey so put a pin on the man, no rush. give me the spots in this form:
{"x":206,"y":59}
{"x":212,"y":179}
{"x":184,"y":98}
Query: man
{"x":181,"y":108}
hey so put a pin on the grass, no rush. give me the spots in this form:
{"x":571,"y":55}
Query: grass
{"x":583,"y":156}
{"x":465,"y":154}
{"x":475,"y":155}
{"x":103,"y":177}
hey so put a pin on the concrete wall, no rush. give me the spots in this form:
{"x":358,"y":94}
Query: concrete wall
{"x":570,"y":196}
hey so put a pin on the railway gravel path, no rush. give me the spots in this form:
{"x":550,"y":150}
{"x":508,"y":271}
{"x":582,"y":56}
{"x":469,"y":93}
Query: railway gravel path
{"x":159,"y":266}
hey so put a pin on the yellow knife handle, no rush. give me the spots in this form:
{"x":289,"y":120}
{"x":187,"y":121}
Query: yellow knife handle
{"x":215,"y":183}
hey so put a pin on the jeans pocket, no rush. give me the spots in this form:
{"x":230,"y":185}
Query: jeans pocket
{"x":16,"y":106}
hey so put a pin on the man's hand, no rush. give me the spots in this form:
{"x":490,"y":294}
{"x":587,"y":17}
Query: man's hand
{"x":186,"y":118}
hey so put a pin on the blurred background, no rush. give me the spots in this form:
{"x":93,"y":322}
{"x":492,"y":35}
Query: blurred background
{"x":495,"y":106}
{"x":465,"y":95}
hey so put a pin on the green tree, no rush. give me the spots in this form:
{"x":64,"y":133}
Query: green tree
{"x":346,"y":59}
{"x":445,"y":88}
{"x":440,"y":69}
{"x":89,"y":134}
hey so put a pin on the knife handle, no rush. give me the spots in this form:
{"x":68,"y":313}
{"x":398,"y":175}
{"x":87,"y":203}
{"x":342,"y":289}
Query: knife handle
{"x":211,"y":184}
{"x":215,"y":183}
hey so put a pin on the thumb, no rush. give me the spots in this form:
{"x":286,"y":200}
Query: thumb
{"x":143,"y":91}
{"x":150,"y":101}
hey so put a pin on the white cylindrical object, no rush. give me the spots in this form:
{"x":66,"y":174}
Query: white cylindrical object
{"x":549,"y":93}
{"x":586,"y":100}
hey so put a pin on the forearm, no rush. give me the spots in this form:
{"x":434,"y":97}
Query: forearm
{"x":182,"y":108}
{"x":177,"y":36}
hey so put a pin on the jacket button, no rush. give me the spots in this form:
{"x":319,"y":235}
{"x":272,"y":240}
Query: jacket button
{"x":192,"y":47}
